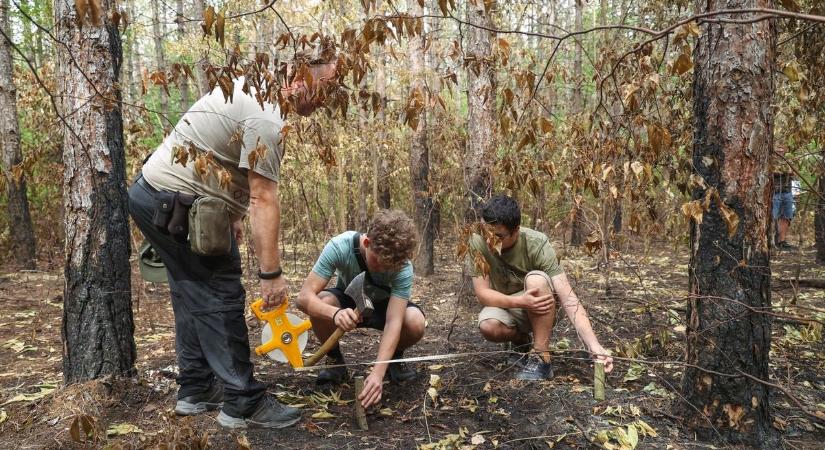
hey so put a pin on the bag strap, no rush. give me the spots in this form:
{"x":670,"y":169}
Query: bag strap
{"x":362,"y":264}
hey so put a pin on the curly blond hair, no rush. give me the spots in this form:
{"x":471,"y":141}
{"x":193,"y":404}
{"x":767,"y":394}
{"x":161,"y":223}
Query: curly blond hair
{"x":393,"y":237}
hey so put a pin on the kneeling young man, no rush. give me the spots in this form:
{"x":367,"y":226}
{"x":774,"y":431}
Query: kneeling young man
{"x":519,"y":292}
{"x":384,"y":253}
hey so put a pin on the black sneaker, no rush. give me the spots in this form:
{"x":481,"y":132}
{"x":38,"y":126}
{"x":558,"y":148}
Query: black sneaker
{"x":535,"y":369}
{"x":200,"y":403}
{"x":784,"y":245}
{"x":400,"y":372}
{"x":333,"y":376}
{"x":270,"y":414}
{"x":517,"y":354}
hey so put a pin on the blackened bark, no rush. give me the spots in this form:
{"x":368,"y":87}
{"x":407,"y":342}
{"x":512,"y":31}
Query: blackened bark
{"x":577,"y":227}
{"x":97,"y":327}
{"x":481,"y":108}
{"x":819,"y":215}
{"x":729,"y":274}
{"x":381,"y":168}
{"x":20,"y":222}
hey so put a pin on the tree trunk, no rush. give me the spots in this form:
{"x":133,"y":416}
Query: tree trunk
{"x":183,"y":81}
{"x":729,"y":272}
{"x":200,"y":71}
{"x":481,"y":108}
{"x":20,"y":222}
{"x":381,"y":164}
{"x":97,"y":326}
{"x":577,"y":103}
{"x":160,"y":59}
{"x":420,"y":154}
{"x":819,"y":214}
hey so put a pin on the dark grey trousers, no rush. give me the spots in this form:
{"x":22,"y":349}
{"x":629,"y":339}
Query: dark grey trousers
{"x":211,"y":338}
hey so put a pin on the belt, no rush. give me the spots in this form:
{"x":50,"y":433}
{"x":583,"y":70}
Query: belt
{"x":142,"y":181}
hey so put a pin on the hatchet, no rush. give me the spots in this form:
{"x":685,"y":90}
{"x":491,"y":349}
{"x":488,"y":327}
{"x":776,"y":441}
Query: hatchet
{"x":364,"y":308}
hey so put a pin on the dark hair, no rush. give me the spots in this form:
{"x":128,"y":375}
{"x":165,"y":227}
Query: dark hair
{"x":503,"y":210}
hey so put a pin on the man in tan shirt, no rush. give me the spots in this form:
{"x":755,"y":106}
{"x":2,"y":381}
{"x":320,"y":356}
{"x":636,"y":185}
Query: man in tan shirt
{"x":211,"y":337}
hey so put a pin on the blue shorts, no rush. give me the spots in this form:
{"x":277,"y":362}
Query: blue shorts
{"x":783,"y":205}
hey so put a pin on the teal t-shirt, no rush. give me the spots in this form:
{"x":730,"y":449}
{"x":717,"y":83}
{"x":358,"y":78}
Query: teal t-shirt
{"x":337,"y":258}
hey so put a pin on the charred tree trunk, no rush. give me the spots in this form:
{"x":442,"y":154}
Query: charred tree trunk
{"x":20,"y":222}
{"x":481,"y":107}
{"x":729,"y":272}
{"x":97,"y":325}
{"x":381,"y":163}
{"x":819,"y":214}
{"x":160,"y":59}
{"x":420,"y":154}
{"x":577,"y":102}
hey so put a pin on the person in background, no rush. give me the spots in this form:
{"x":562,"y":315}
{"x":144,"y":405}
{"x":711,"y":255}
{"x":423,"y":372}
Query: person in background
{"x":784,"y":205}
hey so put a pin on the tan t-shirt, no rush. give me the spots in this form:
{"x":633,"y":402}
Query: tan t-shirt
{"x":230,"y":131}
{"x":532,"y":251}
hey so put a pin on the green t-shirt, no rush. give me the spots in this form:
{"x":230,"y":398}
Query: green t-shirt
{"x":532,"y":251}
{"x":337,"y":258}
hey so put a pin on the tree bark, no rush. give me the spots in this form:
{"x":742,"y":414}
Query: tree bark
{"x":20,"y":222}
{"x":420,"y":154}
{"x":183,"y":81}
{"x":481,"y":108}
{"x":381,"y":164}
{"x":577,"y":103}
{"x":819,"y":214}
{"x":729,"y":272}
{"x":160,"y":58}
{"x":97,"y":327}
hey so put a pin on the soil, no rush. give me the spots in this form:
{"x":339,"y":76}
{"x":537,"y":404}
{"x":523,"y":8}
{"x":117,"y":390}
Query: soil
{"x":637,"y":307}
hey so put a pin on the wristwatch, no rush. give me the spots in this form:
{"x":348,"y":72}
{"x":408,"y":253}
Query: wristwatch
{"x":270,"y":275}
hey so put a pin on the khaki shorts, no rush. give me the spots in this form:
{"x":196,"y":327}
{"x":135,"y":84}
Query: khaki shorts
{"x":512,"y":317}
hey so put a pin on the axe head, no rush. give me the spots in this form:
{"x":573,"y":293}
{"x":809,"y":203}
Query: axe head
{"x":362,"y":302}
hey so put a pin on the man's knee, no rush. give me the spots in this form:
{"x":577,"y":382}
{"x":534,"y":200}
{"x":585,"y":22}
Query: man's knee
{"x":414,"y":323}
{"x":494,"y":330}
{"x":538,"y":281}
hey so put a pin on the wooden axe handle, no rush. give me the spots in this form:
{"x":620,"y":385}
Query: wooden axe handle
{"x":328,"y":345}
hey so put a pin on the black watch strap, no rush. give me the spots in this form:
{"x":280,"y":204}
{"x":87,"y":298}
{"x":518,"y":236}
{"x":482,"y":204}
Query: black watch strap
{"x":270,"y":275}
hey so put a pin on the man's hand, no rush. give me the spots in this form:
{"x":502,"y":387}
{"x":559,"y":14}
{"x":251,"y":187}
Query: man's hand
{"x":373,"y":386}
{"x":539,"y":304}
{"x":237,"y":230}
{"x":346,"y":319}
{"x":600,"y":354}
{"x":273,"y":292}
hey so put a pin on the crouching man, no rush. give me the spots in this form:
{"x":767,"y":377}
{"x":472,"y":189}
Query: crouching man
{"x":384,"y":253}
{"x":519,"y":291}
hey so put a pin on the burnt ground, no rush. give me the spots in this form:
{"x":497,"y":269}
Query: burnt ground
{"x":638,"y":310}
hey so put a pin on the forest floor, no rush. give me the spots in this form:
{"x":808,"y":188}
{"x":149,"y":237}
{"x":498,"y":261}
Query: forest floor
{"x":638,"y":312}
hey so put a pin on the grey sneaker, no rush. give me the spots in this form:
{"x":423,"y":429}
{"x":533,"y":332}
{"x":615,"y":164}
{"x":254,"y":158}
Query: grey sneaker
{"x":535,"y":369}
{"x":200,"y":403}
{"x":270,"y":414}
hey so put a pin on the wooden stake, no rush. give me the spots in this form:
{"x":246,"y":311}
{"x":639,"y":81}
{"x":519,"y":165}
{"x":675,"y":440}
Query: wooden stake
{"x":598,"y":381}
{"x":360,"y":414}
